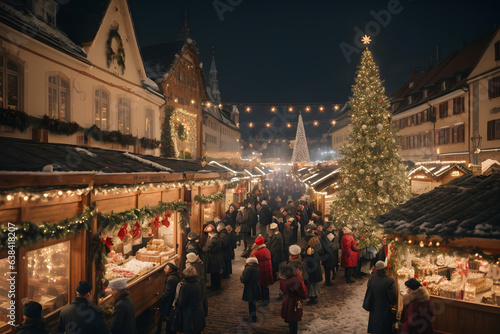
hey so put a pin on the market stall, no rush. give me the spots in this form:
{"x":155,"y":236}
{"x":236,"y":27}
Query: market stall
{"x":449,"y":239}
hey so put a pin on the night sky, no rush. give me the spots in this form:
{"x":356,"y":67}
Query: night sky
{"x":270,"y":51}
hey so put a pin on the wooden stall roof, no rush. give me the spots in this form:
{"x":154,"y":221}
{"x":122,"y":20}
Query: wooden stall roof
{"x":438,"y":169}
{"x":468,"y":206}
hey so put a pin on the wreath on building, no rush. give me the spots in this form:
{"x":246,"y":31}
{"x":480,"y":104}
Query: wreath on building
{"x":111,"y":55}
{"x":181,"y":132}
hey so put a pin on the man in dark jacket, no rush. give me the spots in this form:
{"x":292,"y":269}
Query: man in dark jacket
{"x":123,"y":321}
{"x":275,"y":245}
{"x":172,"y":278}
{"x":330,"y":243}
{"x":252,"y":291}
{"x":81,"y":316}
{"x":383,"y":289}
{"x":265,"y":217}
{"x":214,"y":262}
{"x":190,"y":303}
{"x":33,"y":323}
{"x":192,"y":260}
{"x":225,"y":250}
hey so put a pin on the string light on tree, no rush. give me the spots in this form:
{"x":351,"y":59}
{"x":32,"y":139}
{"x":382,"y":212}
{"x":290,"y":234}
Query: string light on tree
{"x":369,"y":184}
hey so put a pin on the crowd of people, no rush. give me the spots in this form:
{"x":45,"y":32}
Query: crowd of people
{"x":284,"y":241}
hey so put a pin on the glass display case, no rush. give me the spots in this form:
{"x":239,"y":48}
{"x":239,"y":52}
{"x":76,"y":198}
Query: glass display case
{"x":48,"y":276}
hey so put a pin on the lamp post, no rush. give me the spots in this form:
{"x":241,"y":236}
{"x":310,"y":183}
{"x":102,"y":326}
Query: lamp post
{"x":476,"y":143}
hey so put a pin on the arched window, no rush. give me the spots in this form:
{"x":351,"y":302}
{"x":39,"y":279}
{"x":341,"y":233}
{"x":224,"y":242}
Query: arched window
{"x":149,"y":124}
{"x":124,"y":115}
{"x":10,"y":83}
{"x":58,"y":97}
{"x":101,"y":109}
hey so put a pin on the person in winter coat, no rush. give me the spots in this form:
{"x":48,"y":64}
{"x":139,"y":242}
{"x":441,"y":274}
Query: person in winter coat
{"x":251,"y":291}
{"x":191,"y":308}
{"x":232,"y":240}
{"x":81,"y":314}
{"x":123,"y":320}
{"x":294,"y":291}
{"x":213,"y":256}
{"x":265,"y":217}
{"x":420,"y":309}
{"x":172,"y":278}
{"x":384,"y":293}
{"x":312,"y":263}
{"x":349,"y":253}
{"x":243,"y":219}
{"x":263,"y":254}
{"x":193,"y":260}
{"x":193,"y":244}
{"x":231,"y":215}
{"x":33,"y":323}
{"x":303,"y":219}
{"x":275,"y":245}
{"x":330,"y":244}
{"x":226,"y":249}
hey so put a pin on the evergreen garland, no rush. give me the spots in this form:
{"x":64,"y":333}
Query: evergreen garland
{"x":111,"y":136}
{"x":167,"y":149}
{"x":14,"y":118}
{"x":181,"y":131}
{"x":202,"y":199}
{"x":149,"y":143}
{"x":28,"y":233}
{"x":59,"y":127}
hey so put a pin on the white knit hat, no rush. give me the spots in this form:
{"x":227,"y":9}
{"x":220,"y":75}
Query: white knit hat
{"x":220,"y":227}
{"x":294,"y":249}
{"x":252,"y":260}
{"x":118,"y":283}
{"x":273,"y":226}
{"x":191,"y":257}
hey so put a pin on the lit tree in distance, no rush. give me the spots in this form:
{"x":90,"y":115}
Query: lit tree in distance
{"x":373,"y":177}
{"x":300,"y":151}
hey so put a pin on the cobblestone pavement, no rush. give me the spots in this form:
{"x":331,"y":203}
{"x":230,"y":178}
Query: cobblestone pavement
{"x":338,"y":309}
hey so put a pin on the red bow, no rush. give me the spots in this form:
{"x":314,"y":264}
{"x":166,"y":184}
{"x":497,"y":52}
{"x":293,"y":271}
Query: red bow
{"x":122,"y":233}
{"x":157,"y":221}
{"x":165,"y":222}
{"x":137,"y":233}
{"x":109,"y":242}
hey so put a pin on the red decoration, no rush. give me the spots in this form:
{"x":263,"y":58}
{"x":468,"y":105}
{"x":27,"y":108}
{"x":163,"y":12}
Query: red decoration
{"x":236,"y":191}
{"x":353,"y":204}
{"x":389,"y":265}
{"x":188,"y":214}
{"x":424,"y":283}
{"x":165,"y":222}
{"x":389,"y":189}
{"x":415,"y":275}
{"x":122,"y":233}
{"x":137,"y":226}
{"x":137,"y":233}
{"x":150,"y":234}
{"x":395,"y":198}
{"x":157,"y":221}
{"x":168,"y":213}
{"x":361,"y":238}
{"x":109,"y":242}
{"x":396,"y":261}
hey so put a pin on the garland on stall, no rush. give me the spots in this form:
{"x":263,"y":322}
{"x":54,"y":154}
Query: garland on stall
{"x":28,"y":233}
{"x":59,"y":127}
{"x":101,"y":248}
{"x":148,"y":143}
{"x":120,"y":53}
{"x":114,"y":136}
{"x":14,"y":118}
{"x":202,"y":199}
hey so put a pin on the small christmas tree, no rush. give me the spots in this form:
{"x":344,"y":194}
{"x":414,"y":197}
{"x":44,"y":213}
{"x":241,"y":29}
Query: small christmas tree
{"x":373,"y":177}
{"x":300,"y":151}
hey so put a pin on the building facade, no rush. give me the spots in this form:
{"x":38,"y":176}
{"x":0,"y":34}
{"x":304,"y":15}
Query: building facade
{"x":68,"y":84}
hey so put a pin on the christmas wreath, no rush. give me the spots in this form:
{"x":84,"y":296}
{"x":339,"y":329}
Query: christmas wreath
{"x":110,"y":53}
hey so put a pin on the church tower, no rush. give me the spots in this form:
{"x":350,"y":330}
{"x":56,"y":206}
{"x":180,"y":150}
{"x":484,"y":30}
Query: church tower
{"x":213,"y":83}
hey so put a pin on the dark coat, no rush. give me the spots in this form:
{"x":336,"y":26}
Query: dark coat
{"x":225,"y":245}
{"x":275,"y":245}
{"x":213,"y":255}
{"x":250,"y":277}
{"x":81,"y":314}
{"x":243,"y":218}
{"x":290,"y":231}
{"x":123,"y":321}
{"x":266,"y":217}
{"x":193,"y":247}
{"x":312,"y":264}
{"x":33,"y":326}
{"x":419,"y":312}
{"x":193,"y":318}
{"x":265,"y":265}
{"x":202,"y":278}
{"x":349,"y":251}
{"x":167,"y":298}
{"x":293,"y":291}
{"x":331,"y":248}
{"x":231,"y":218}
{"x":384,"y":295}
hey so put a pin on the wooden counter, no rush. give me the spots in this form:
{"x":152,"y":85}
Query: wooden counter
{"x":460,"y":317}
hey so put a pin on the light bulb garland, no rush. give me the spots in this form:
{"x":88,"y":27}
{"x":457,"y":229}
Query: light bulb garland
{"x":203,"y":199}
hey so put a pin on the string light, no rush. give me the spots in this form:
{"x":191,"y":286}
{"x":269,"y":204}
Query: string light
{"x":321,"y":108}
{"x":315,"y":123}
{"x":268,"y":125}
{"x":192,"y":101}
{"x":208,"y":104}
{"x":288,"y":125}
{"x":290,"y":109}
{"x":250,"y":125}
{"x":273,"y":109}
{"x":308,"y":109}
{"x":336,"y":107}
{"x":248,"y":109}
{"x":334,"y":122}
{"x":220,"y":105}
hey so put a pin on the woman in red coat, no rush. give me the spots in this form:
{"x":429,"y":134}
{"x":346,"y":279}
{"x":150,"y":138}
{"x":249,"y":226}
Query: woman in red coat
{"x":420,"y":309}
{"x":294,"y":290}
{"x":349,"y":254}
{"x":265,"y":267}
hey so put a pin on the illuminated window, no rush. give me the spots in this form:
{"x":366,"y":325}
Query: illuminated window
{"x":149,"y":124}
{"x":124,"y":115}
{"x":10,"y":83}
{"x":101,"y":109}
{"x":58,"y":97}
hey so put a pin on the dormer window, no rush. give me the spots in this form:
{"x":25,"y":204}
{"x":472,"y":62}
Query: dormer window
{"x":45,"y":10}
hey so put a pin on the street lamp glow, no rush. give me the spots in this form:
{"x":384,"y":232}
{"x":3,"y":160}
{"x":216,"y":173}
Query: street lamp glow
{"x":192,"y":101}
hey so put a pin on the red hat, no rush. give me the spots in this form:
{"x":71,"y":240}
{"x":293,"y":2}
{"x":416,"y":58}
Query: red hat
{"x":259,"y":240}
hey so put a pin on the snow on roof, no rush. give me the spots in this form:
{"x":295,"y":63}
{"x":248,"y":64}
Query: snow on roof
{"x":82,"y":150}
{"x":487,"y":164}
{"x":148,"y":162}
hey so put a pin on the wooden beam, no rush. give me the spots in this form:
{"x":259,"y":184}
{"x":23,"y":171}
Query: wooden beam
{"x":135,"y":178}
{"x":12,"y":180}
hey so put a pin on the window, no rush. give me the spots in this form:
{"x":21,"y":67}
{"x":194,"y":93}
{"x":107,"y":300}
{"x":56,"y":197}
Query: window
{"x":458,"y":134}
{"x":101,"y":112}
{"x":149,"y":124}
{"x":494,"y":129}
{"x":458,"y":105}
{"x":443,"y":136}
{"x":497,"y":50}
{"x":494,"y":87}
{"x":124,"y":115}
{"x":59,"y":98}
{"x":45,"y":10}
{"x":443,"y":109}
{"x":10,"y":83}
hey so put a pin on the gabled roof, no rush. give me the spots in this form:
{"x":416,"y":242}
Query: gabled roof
{"x":223,"y":116}
{"x":453,"y":70}
{"x":438,"y":169}
{"x":29,"y":156}
{"x":81,"y":19}
{"x":467,"y":206}
{"x":14,"y":14}
{"x":159,"y":58}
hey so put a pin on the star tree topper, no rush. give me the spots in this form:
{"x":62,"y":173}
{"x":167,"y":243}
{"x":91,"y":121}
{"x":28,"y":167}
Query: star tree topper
{"x":366,"y":39}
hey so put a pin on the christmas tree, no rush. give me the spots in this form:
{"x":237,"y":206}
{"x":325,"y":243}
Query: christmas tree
{"x":373,"y":176}
{"x":300,"y":151}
